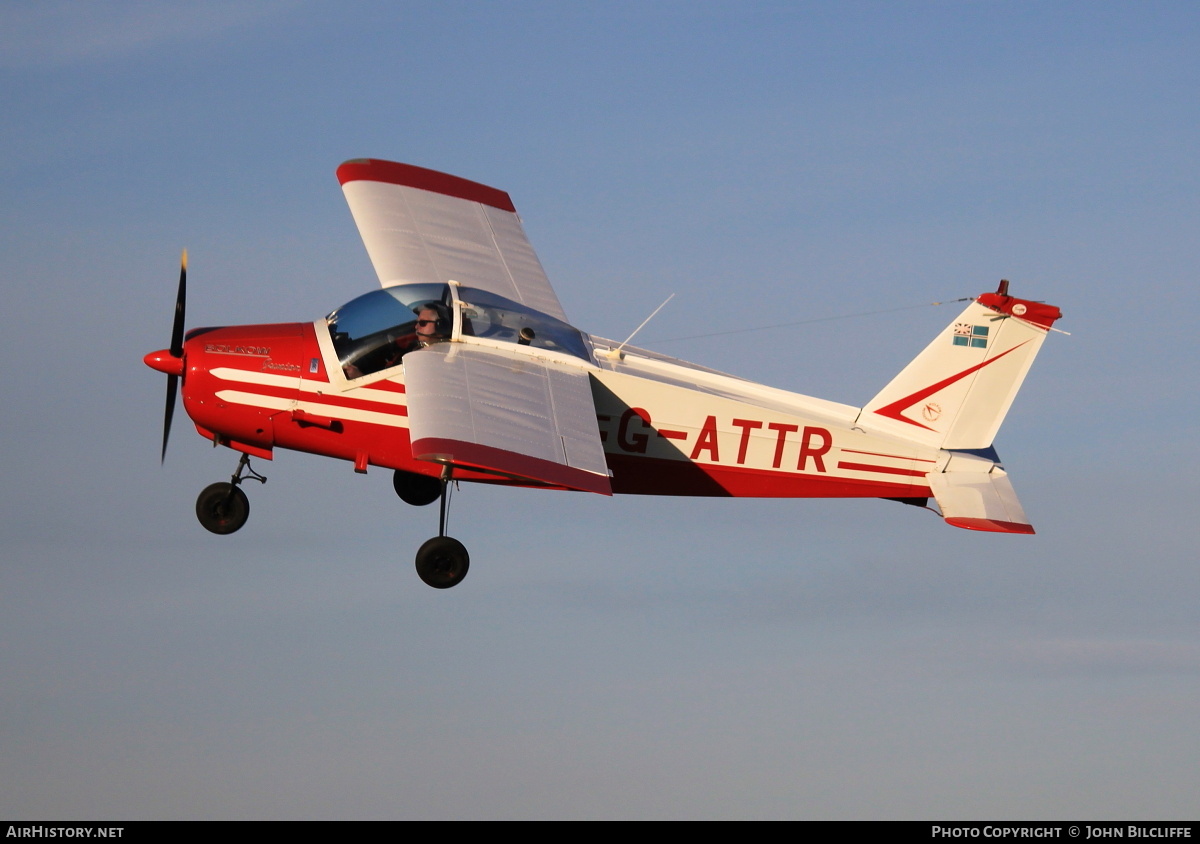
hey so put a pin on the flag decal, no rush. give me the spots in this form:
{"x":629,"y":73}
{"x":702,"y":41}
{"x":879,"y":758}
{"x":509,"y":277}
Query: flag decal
{"x":975,"y":336}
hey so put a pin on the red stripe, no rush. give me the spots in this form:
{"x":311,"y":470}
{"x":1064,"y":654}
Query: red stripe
{"x":887,"y":470}
{"x":672,"y":435}
{"x":352,"y":403}
{"x":476,"y":456}
{"x":406,"y":175}
{"x":342,"y":400}
{"x":350,"y":399}
{"x":896,"y":409}
{"x":272,"y":390}
{"x":386,"y":386}
{"x":658,"y":476}
{"x":880,"y":454}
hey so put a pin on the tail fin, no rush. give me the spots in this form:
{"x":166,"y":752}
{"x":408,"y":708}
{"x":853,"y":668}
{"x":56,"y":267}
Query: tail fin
{"x":955,"y":394}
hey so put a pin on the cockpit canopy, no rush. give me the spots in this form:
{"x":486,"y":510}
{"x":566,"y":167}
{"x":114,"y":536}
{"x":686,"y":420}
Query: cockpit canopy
{"x":377,"y":329}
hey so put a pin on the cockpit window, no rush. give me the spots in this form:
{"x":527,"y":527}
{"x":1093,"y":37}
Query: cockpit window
{"x":375,"y":330}
{"x":490,"y":316}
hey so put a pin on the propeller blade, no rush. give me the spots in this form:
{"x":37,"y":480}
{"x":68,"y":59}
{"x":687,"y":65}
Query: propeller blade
{"x":176,"y":352}
{"x":180,"y":302}
{"x":172,"y":390}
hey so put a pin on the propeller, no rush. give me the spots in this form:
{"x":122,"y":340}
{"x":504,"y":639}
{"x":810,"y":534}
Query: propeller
{"x":170,"y":360}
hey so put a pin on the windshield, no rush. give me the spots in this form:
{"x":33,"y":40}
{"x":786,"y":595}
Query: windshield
{"x":494,"y":317}
{"x":375,"y":330}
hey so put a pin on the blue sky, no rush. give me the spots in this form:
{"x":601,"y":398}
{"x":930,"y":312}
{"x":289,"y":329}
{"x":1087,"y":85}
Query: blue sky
{"x":628,"y":657}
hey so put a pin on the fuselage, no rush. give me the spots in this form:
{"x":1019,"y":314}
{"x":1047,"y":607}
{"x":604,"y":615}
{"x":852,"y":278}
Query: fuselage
{"x":668,"y":427}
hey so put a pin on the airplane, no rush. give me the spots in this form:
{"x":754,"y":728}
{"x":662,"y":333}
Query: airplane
{"x":463,"y":366}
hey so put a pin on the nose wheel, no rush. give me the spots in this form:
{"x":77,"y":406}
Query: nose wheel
{"x":223,"y":508}
{"x":443,"y":561}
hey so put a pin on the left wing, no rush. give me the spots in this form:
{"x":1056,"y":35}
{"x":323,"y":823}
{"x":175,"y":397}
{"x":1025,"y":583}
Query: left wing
{"x":424,"y":226}
{"x":505,"y":413}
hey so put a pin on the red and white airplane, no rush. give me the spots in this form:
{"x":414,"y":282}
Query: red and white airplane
{"x":463,"y":367}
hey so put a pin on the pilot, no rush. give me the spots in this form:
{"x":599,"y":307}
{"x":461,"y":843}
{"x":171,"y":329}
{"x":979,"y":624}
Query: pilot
{"x":432,"y":326}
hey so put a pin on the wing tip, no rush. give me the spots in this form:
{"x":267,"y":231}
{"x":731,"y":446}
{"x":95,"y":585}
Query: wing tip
{"x":409,"y":175}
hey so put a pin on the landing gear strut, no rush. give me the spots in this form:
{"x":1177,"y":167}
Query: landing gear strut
{"x":222,"y":507}
{"x":443,"y":561}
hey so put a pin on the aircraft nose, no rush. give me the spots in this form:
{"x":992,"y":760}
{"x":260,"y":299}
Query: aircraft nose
{"x":164,"y":362}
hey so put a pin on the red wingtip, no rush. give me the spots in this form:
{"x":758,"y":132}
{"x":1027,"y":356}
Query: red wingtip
{"x":392,"y":173}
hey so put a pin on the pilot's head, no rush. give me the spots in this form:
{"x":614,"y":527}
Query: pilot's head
{"x":433,"y":322}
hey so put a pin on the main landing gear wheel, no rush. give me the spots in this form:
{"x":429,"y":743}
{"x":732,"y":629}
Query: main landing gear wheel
{"x":415,"y":489}
{"x":442,"y":562}
{"x":222,"y":508}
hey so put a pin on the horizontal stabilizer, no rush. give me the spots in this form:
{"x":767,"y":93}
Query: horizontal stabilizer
{"x":979,"y":498}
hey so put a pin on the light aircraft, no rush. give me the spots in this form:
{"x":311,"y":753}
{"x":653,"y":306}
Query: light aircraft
{"x":463,"y":367}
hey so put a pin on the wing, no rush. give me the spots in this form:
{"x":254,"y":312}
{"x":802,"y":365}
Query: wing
{"x":423,"y":226}
{"x":507,"y":413}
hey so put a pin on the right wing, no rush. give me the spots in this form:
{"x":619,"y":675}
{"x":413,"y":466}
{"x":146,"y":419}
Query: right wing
{"x":506,"y":413}
{"x":424,"y":226}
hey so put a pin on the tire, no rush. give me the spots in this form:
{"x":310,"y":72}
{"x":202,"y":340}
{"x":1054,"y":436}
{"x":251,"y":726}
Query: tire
{"x":442,"y":562}
{"x":414,"y":489}
{"x":222,"y":508}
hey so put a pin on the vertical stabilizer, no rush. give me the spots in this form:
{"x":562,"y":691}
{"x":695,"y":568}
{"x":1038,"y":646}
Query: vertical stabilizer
{"x":955,"y":394}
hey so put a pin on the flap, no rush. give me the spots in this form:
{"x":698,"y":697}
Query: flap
{"x":424,"y":226}
{"x":505,"y":412}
